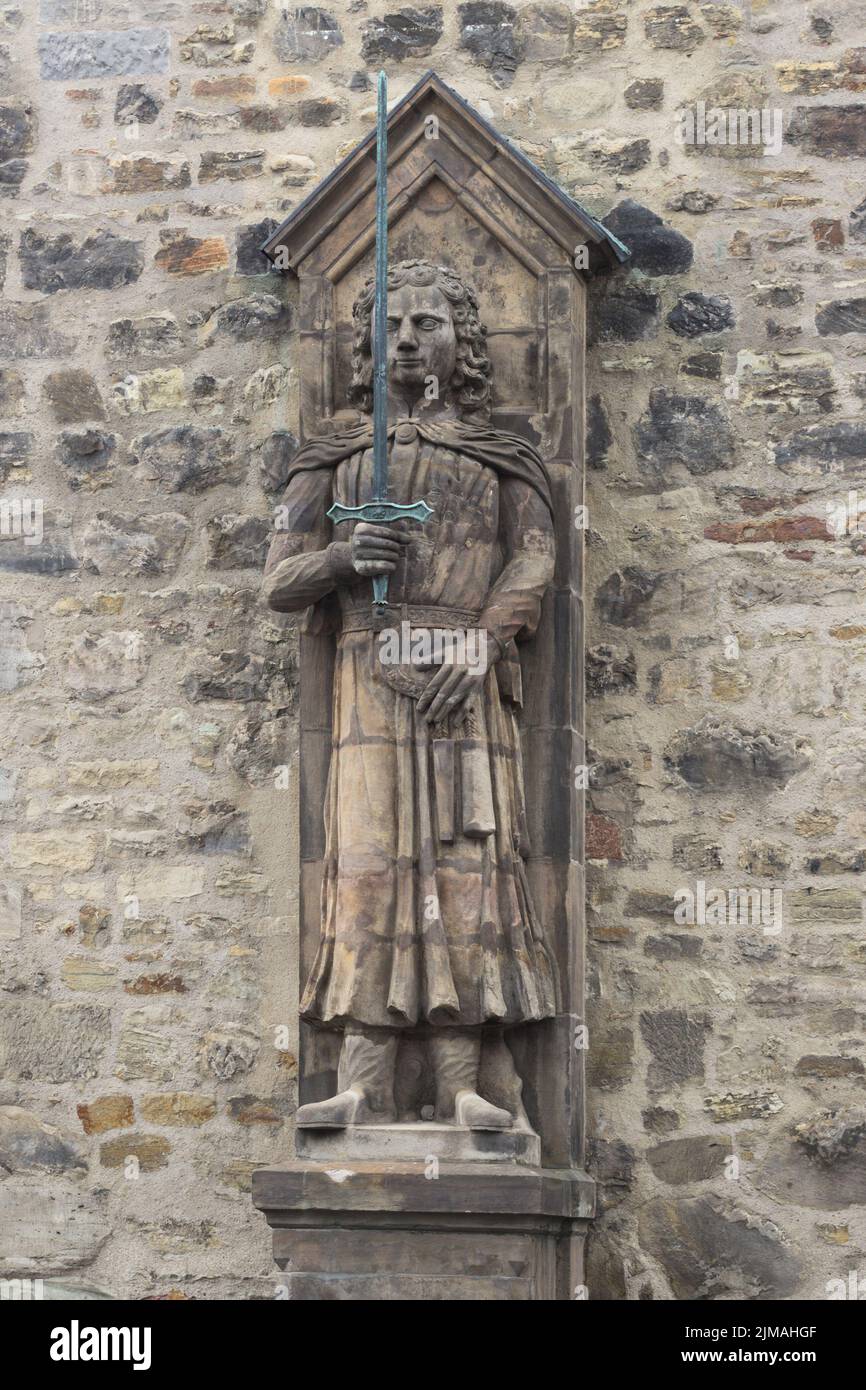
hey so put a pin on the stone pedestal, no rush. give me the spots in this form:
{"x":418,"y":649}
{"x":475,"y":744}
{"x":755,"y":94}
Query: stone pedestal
{"x":372,"y":1230}
{"x":417,"y":1143}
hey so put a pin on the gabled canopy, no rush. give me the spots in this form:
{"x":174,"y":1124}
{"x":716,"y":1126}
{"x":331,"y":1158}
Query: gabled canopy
{"x":466,"y":136}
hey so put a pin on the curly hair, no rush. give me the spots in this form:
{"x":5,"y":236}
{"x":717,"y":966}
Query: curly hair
{"x":470,"y":387}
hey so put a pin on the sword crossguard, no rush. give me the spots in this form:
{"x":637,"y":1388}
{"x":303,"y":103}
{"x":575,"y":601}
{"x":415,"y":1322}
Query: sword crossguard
{"x":385,"y":512}
{"x":380,"y":511}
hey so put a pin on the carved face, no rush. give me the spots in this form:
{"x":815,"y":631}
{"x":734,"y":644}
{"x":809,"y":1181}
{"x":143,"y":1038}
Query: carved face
{"x":421,"y":339}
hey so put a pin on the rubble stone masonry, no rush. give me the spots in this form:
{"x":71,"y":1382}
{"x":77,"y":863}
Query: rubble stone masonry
{"x":148,"y":770}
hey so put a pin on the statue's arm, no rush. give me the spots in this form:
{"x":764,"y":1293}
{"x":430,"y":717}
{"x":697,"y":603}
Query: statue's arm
{"x":303,"y":563}
{"x":513,"y":604}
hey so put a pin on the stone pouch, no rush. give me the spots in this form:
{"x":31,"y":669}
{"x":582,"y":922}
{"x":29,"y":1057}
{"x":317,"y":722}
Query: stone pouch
{"x":461,"y":766}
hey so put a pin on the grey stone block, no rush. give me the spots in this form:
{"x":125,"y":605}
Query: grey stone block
{"x":65,"y":57}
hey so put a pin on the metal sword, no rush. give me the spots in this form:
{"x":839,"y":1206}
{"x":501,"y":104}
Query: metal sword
{"x":379,"y":508}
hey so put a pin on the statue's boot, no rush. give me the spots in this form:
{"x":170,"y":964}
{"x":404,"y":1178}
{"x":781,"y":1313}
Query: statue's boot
{"x":456,"y":1058}
{"x":475,"y":1112}
{"x":365,"y":1079}
{"x":346,"y":1108}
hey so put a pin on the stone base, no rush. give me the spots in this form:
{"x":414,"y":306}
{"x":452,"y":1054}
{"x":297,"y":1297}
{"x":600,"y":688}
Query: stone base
{"x":416,"y":1143}
{"x":364,"y":1230}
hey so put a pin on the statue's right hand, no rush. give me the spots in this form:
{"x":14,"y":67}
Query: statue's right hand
{"x":376,"y":549}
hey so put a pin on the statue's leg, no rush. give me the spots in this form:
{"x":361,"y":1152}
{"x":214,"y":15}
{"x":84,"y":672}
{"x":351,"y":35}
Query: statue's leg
{"x":456,"y":1055}
{"x":365,"y":1083}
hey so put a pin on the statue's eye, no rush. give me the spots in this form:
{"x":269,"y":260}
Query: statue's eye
{"x":429,"y":324}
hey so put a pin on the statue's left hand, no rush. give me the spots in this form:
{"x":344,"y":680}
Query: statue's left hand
{"x":453,"y":684}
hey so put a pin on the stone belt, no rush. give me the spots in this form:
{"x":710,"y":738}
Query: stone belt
{"x":416,"y":615}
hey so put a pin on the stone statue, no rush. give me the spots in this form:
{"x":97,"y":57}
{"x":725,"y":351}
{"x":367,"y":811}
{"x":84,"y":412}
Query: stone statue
{"x":428,"y":926}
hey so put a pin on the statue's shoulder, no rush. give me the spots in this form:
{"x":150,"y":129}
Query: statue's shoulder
{"x":484,"y":435}
{"x":509,"y":455}
{"x":327,"y":450}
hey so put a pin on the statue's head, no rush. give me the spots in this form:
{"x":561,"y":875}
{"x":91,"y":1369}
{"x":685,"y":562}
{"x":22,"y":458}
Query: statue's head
{"x":433,"y":332}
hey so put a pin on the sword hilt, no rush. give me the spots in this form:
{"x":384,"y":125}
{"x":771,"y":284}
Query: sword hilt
{"x":380,"y":511}
{"x":383,"y":512}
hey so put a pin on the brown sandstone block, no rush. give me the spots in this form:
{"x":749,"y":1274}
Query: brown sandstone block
{"x":107,"y":1112}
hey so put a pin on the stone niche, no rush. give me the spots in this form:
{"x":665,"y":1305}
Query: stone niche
{"x":493,"y":1221}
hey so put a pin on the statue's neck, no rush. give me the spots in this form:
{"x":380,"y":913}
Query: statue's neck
{"x":418,"y":407}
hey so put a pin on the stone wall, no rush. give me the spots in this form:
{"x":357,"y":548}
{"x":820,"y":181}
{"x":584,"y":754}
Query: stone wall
{"x":148,"y":790}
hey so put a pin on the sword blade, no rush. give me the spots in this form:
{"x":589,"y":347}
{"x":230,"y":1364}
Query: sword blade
{"x":380,"y":303}
{"x":379,"y":508}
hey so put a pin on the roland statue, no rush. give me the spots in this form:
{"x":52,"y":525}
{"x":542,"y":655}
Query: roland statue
{"x":428,"y":928}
